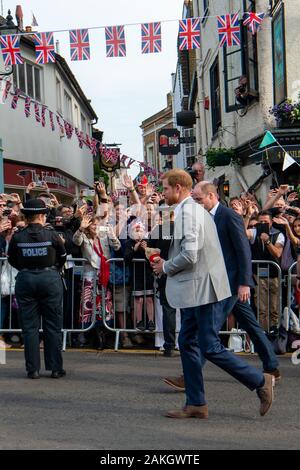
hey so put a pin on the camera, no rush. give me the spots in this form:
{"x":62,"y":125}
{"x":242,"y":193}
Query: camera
{"x":7,"y":212}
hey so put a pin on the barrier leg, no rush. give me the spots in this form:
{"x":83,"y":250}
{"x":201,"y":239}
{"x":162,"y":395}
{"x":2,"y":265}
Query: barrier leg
{"x":64,"y":341}
{"x":117,"y":340}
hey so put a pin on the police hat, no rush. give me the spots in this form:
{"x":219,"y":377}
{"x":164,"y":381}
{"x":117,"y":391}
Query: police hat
{"x":34,"y":207}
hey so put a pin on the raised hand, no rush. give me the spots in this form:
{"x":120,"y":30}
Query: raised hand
{"x":86,"y":222}
{"x":127,"y":182}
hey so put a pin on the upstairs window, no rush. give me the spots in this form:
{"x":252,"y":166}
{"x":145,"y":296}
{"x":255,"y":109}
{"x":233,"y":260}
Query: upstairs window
{"x":241,"y":61}
{"x":68,"y":106}
{"x":28,"y":78}
{"x":215,"y":96}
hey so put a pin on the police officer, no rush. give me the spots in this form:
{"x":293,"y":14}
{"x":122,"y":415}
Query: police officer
{"x":38,"y":253}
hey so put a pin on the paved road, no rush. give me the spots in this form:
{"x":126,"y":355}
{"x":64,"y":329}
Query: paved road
{"x":115,"y":401}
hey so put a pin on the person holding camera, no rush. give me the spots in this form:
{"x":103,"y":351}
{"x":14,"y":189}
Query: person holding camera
{"x":267,"y":244}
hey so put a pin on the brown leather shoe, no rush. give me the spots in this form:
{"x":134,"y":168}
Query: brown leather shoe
{"x":275,"y":372}
{"x":200,"y":412}
{"x":266,"y":394}
{"x":176,"y":382}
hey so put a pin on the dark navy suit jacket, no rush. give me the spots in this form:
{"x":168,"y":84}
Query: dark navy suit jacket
{"x":235,"y":247}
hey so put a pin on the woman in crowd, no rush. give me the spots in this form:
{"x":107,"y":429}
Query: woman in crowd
{"x":141,"y":275}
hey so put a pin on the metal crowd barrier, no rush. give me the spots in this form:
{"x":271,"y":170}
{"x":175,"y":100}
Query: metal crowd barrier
{"x":125,"y":320}
{"x":74,"y":300}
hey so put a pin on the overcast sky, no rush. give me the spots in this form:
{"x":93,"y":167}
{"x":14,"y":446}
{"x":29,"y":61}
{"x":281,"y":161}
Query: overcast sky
{"x":124,"y":91}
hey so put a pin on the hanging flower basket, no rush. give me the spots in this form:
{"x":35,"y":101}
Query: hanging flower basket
{"x":287,"y":114}
{"x":220,"y":157}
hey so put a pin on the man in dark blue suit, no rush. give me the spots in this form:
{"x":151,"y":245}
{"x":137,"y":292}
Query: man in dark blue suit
{"x":237,"y":256}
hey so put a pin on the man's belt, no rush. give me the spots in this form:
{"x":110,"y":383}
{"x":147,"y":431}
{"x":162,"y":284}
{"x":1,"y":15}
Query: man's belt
{"x":51,"y":268}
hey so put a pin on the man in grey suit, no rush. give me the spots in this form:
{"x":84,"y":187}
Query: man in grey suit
{"x":197,"y":283}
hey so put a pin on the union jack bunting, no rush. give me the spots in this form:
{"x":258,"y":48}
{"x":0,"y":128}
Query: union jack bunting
{"x":88,"y":141}
{"x":229,"y":30}
{"x":44,"y":48}
{"x":52,"y":120}
{"x":7,"y":88}
{"x":44,"y":115}
{"x":11,"y":52}
{"x":115,"y":41}
{"x":37,"y":112}
{"x":80,"y":44}
{"x":80,"y":137}
{"x":151,"y":38}
{"x":61,"y":127}
{"x":27,"y":106}
{"x":15,"y":99}
{"x":94,"y":147}
{"x":123,"y":160}
{"x":189,"y":34}
{"x":253,"y":21}
{"x":69,"y":129}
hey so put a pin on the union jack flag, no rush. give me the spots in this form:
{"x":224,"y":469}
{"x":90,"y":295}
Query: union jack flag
{"x":61,"y":127}
{"x":27,"y":106}
{"x":115,"y":41}
{"x":80,"y":137}
{"x":37,"y":112}
{"x":69,"y":129}
{"x":253,"y":21}
{"x":88,"y":141}
{"x":44,"y":115}
{"x":94,"y":147}
{"x":189,"y":34}
{"x":15,"y":99}
{"x":52,"y":121}
{"x":44,"y":48}
{"x":6,"y":90}
{"x":11,"y":52}
{"x":229,"y":30}
{"x":80,"y":44}
{"x":151,"y":38}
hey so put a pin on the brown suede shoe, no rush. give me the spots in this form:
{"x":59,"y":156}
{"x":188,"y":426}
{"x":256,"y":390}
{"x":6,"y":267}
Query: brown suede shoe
{"x":266,"y":394}
{"x":200,"y":412}
{"x":276,"y":373}
{"x":176,"y":382}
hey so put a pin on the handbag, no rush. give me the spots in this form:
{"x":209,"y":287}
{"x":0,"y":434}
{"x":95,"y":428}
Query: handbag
{"x":8,"y":279}
{"x":235,"y":341}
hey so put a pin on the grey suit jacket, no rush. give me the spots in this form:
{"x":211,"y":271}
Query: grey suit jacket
{"x":196,"y":272}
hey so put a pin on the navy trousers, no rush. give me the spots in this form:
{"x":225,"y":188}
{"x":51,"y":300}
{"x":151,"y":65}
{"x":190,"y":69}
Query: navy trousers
{"x":247,"y":321}
{"x":199,"y":337}
{"x":40,"y":295}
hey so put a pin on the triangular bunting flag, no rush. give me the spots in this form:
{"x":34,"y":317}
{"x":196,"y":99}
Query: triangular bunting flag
{"x":267,"y":140}
{"x":288,"y":161}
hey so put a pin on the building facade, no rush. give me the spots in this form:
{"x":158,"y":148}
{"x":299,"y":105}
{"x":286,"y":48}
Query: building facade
{"x":151,"y":128}
{"x":33,"y":152}
{"x":237,"y":87}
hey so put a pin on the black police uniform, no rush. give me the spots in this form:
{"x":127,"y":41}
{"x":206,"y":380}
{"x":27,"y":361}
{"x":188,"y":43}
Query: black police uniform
{"x":37,"y":252}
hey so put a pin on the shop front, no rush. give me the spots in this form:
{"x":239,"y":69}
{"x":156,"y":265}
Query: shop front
{"x":18,"y":176}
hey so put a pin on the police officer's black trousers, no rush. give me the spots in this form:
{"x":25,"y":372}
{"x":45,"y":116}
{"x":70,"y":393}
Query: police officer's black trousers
{"x":40,"y":294}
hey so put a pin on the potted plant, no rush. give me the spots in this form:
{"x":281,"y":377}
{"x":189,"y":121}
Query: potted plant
{"x":287,"y":114}
{"x":219,"y":157}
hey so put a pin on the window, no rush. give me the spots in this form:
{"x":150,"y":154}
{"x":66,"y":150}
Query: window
{"x":76,"y":116}
{"x":58,"y":96}
{"x":150,"y":155}
{"x":67,"y":106}
{"x":205,"y":11}
{"x":27,"y":78}
{"x":205,"y":5}
{"x":190,"y":148}
{"x":215,"y":96}
{"x":241,"y":61}
{"x":83,"y":124}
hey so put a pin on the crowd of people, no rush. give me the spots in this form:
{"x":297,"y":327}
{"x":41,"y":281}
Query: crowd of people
{"x":131,"y":229}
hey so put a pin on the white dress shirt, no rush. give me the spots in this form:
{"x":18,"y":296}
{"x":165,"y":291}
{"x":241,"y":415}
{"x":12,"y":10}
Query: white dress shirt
{"x":214,"y":210}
